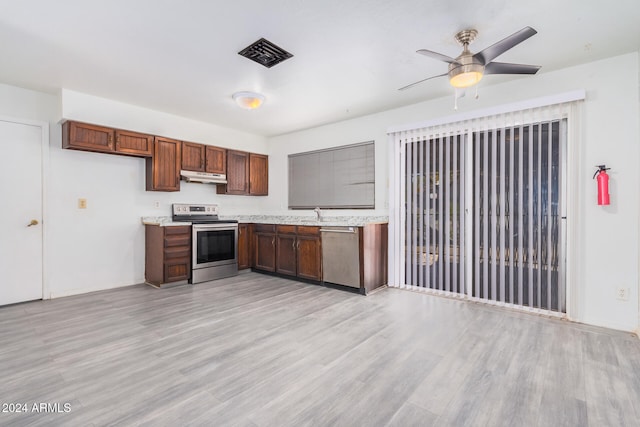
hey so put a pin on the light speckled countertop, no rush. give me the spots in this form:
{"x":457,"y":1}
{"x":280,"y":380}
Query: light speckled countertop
{"x":352,"y":221}
{"x":162,"y":221}
{"x":347,"y":221}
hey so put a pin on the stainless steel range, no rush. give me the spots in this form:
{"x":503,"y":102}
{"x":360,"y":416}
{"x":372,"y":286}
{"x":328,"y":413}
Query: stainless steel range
{"x":214,"y":252}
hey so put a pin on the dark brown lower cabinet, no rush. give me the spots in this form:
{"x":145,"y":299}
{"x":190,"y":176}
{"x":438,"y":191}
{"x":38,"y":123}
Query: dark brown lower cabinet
{"x":288,"y":250}
{"x":264,"y":247}
{"x":373,"y":256}
{"x":309,"y":252}
{"x":292,"y":250}
{"x":245,"y":240}
{"x":167,"y":254}
{"x":286,"y":253}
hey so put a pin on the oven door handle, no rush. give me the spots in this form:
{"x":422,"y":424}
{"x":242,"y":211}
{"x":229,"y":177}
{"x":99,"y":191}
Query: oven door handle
{"x":227,"y":226}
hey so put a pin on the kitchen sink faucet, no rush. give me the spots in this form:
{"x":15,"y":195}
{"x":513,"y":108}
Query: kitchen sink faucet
{"x":318,"y":213}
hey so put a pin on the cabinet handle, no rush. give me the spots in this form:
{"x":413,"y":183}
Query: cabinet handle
{"x":117,"y":140}
{"x":273,"y":241}
{"x":298,"y":245}
{"x":293,"y":245}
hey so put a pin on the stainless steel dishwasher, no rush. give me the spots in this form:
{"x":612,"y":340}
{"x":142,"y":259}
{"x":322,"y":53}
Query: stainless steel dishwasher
{"x":341,"y":256}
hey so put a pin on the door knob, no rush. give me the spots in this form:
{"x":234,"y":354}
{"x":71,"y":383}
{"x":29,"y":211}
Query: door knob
{"x":33,"y":222}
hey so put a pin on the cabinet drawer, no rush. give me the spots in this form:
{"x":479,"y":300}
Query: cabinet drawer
{"x":177,"y":229}
{"x":308,"y":230}
{"x":177,"y":236}
{"x":177,"y":252}
{"x":178,"y":240}
{"x":286,"y":229}
{"x":265,"y":228}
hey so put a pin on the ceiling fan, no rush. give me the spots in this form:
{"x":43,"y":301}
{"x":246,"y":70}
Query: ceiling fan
{"x":467,"y":69}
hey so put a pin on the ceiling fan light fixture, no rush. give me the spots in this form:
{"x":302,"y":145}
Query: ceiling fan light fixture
{"x":468,"y":68}
{"x":248,"y":100}
{"x":466,"y":75}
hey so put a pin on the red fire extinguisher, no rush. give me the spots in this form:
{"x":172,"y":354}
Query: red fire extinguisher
{"x":603,"y":184}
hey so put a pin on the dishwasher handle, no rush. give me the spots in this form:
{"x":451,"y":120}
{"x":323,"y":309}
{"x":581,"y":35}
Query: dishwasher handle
{"x":351,"y":230}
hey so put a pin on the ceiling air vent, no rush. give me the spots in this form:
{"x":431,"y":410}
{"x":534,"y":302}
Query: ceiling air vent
{"x":265,"y":53}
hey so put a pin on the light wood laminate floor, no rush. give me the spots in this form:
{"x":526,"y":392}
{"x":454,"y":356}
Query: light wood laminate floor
{"x":256,"y":350}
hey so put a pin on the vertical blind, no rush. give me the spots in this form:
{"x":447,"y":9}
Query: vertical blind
{"x":478,"y":208}
{"x":435,"y":212}
{"x":516,"y":211}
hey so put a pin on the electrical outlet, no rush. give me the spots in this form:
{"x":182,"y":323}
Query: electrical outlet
{"x":156,"y":205}
{"x":82,"y":203}
{"x":622,"y":294}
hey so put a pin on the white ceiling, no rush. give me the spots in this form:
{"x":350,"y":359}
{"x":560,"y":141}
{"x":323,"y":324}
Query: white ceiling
{"x":350,"y":56}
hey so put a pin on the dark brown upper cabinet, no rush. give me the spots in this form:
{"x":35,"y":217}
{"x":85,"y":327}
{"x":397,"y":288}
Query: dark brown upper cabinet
{"x":237,"y":173}
{"x":163,"y":169}
{"x":203,"y":158}
{"x":193,"y":157}
{"x":133,"y":143}
{"x":215,"y":160}
{"x":258,"y":175}
{"x":86,"y":137}
{"x":82,"y":136}
{"x":247,"y":174}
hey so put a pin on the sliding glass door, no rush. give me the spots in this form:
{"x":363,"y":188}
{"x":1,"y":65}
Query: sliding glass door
{"x":516,"y":239}
{"x":483,"y":213}
{"x":435,"y":189}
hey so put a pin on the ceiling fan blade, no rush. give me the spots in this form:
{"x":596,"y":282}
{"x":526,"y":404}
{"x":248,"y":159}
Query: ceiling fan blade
{"x":420,"y":81}
{"x":505,"y":68}
{"x":487,"y":55}
{"x":438,"y":56}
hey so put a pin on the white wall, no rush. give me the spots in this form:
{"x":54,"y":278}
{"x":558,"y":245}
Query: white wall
{"x":605,"y":252}
{"x":103,"y":246}
{"x":342,"y":133}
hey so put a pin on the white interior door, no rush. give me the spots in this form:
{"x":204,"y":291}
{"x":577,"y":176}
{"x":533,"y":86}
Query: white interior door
{"x":21,"y":212}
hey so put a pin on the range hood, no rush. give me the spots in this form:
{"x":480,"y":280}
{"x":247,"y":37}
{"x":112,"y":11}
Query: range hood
{"x":203,"y":177}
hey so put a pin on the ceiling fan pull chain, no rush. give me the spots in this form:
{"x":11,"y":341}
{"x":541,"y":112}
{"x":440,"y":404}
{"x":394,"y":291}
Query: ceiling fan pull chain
{"x":477,"y":96}
{"x":455,"y":100}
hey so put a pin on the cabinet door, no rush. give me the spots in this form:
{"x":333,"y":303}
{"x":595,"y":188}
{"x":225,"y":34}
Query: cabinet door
{"x":193,"y":157}
{"x":134,"y":144}
{"x":258,"y":175}
{"x":163,"y":169}
{"x":265,"y":251}
{"x":286,"y":254}
{"x":216,"y":160}
{"x":81,"y":136}
{"x":237,"y":173}
{"x":176,"y":270}
{"x":309,"y":257}
{"x":244,"y":246}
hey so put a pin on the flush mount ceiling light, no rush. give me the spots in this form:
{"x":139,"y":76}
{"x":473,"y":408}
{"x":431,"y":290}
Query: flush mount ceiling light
{"x":248,"y":100}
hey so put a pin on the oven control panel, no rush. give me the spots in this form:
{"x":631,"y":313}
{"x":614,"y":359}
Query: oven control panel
{"x":182,"y":209}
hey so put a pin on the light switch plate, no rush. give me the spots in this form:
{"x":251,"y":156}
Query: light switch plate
{"x":82,"y":203}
